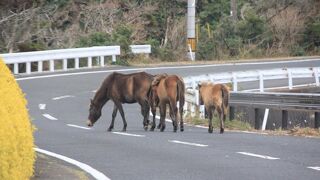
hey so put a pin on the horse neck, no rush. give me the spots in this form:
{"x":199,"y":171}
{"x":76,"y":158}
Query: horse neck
{"x":101,"y":97}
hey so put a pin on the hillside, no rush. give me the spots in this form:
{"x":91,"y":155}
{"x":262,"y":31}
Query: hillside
{"x":259,"y":29}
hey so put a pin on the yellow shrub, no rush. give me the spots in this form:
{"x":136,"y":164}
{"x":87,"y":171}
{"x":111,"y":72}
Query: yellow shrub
{"x":17,"y":155}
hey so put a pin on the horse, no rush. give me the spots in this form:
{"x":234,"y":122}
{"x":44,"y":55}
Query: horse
{"x":122,"y":88}
{"x":214,"y":97}
{"x":167,"y":89}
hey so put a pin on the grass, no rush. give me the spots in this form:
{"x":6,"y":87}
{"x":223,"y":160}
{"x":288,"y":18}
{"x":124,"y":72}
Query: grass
{"x":229,"y":125}
{"x":297,"y":131}
{"x":243,"y":126}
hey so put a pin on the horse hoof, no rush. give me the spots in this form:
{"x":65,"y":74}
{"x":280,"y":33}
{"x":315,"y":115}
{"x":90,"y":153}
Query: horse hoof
{"x":146,"y":128}
{"x":181,"y":129}
{"x":210,"y":130}
{"x":109,"y":129}
{"x":221,"y":131}
{"x":152,"y":129}
{"x":124,"y":130}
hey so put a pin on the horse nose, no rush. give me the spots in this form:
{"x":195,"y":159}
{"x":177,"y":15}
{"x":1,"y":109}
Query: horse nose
{"x":89,"y":123}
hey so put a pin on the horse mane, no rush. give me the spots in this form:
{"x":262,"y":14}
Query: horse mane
{"x":158,"y":78}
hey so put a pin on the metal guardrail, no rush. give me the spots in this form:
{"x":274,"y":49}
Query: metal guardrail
{"x":140,"y":49}
{"x":65,"y":55}
{"x":282,"y":101}
{"x":257,"y":75}
{"x":279,"y":101}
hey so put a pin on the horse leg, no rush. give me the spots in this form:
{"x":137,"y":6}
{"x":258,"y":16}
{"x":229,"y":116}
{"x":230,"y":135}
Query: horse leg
{"x":162,"y":116}
{"x":119,"y":106}
{"x":181,"y":118}
{"x":173,"y":114}
{"x":221,"y":116}
{"x":114,"y":114}
{"x":144,"y":111}
{"x":153,"y":111}
{"x":210,"y":115}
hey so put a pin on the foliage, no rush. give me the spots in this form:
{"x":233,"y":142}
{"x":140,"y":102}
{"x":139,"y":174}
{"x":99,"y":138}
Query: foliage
{"x":16,"y":140}
{"x":95,"y":39}
{"x":262,"y":28}
{"x":312,"y":34}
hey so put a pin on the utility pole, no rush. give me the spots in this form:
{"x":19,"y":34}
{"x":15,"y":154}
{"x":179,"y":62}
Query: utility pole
{"x":233,"y":12}
{"x":191,"y":32}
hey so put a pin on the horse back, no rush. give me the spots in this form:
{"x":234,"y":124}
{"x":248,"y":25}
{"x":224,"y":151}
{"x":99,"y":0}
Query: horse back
{"x":129,"y":88}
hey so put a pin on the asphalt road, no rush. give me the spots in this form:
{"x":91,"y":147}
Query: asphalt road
{"x":59,"y":109}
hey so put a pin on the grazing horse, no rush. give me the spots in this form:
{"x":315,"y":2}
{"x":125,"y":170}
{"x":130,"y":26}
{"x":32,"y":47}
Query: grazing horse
{"x":167,"y":89}
{"x":215,"y":97}
{"x":122,"y":88}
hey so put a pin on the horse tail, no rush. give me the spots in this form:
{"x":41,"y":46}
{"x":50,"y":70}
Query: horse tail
{"x":181,"y":92}
{"x":225,"y":97}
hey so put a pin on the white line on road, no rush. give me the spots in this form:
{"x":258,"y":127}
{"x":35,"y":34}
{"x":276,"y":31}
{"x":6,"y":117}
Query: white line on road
{"x":127,"y":134}
{"x":48,"y":116}
{"x":80,"y":127}
{"x":315,"y":168}
{"x":96,"y":174}
{"x":62,"y":97}
{"x":258,"y":156}
{"x":42,"y":106}
{"x":188,"y":143}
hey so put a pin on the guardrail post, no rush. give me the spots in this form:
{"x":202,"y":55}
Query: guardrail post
{"x":28,"y":67}
{"x":256,"y":118}
{"x":114,"y":59}
{"x":231,"y":113}
{"x":102,"y":61}
{"x":16,"y":68}
{"x":65,"y":64}
{"x":261,"y":86}
{"x":51,"y":65}
{"x":76,"y":63}
{"x":90,"y":62}
{"x":316,"y":120}
{"x":40,"y":66}
{"x":290,"y":79}
{"x":234,"y":82}
{"x":284,"y":119}
{"x":316,"y":76}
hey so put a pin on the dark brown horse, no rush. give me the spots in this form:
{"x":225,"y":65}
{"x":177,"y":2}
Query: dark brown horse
{"x":122,"y":88}
{"x":215,"y":97}
{"x":167,"y":89}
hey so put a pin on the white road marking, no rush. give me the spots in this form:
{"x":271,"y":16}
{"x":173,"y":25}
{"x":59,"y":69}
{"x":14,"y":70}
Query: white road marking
{"x":42,"y":106}
{"x":258,"y":156}
{"x":188,"y":143}
{"x":95,"y":173}
{"x":165,"y":67}
{"x":128,"y":134}
{"x":48,"y":116}
{"x":315,"y":168}
{"x":62,"y":97}
{"x":80,"y":127}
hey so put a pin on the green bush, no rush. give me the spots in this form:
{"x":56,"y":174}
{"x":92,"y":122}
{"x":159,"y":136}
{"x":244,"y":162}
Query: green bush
{"x":95,"y":39}
{"x":297,"y":50}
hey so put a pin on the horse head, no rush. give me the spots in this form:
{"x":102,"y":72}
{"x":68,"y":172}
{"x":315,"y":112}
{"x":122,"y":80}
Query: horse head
{"x":94,"y":113}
